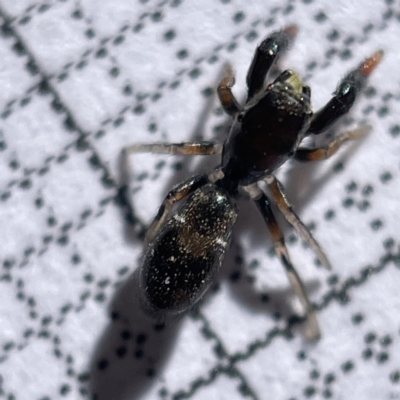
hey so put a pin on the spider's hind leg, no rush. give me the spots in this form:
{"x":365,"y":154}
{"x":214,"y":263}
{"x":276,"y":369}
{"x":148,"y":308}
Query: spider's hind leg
{"x":286,"y":209}
{"x":312,"y":331}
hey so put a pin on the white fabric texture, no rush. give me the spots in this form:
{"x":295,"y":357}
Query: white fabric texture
{"x":81,"y":80}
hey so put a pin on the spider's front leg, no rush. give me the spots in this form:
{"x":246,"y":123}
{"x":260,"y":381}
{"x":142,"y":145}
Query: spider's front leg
{"x":339,"y":105}
{"x":225,"y":95}
{"x":266,"y":55}
{"x":345,"y":95}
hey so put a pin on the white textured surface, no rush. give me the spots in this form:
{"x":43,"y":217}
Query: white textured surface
{"x":65,"y":249}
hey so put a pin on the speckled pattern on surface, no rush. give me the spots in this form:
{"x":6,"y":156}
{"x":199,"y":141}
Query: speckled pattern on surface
{"x":81,"y":80}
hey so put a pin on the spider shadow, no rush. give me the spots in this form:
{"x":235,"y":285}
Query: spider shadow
{"x":134,"y":348}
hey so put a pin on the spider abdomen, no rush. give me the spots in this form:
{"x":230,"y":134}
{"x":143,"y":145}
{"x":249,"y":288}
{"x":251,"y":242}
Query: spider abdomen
{"x":181,"y":262}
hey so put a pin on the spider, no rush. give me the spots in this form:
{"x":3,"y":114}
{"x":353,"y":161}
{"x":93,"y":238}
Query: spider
{"x":184,"y":249}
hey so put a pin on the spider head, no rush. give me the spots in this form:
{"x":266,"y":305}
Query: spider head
{"x":269,"y":129}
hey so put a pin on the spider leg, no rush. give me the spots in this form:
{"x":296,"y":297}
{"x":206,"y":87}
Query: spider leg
{"x":187,"y":148}
{"x":263,"y":203}
{"x":177,"y":193}
{"x":266,"y":55}
{"x":345,"y":95}
{"x":322,"y":153}
{"x":286,"y":209}
{"x":225,"y":95}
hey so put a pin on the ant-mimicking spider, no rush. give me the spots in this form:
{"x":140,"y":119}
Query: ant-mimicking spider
{"x":184,"y":251}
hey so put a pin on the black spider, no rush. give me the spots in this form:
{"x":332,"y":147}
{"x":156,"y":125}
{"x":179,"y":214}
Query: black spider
{"x":184,"y":250}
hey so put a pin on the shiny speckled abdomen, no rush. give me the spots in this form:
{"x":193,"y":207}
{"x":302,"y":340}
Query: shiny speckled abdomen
{"x":182,"y":260}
